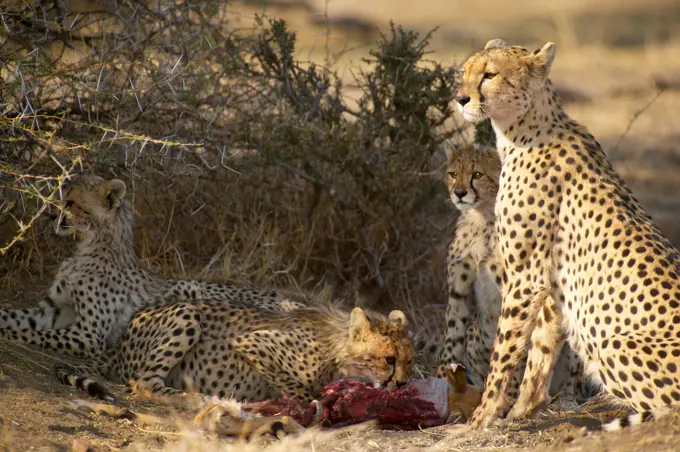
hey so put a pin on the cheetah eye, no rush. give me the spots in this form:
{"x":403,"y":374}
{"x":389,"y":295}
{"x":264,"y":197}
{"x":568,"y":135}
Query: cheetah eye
{"x":477,"y":175}
{"x":452,"y":174}
{"x":391,"y":360}
{"x":490,"y":75}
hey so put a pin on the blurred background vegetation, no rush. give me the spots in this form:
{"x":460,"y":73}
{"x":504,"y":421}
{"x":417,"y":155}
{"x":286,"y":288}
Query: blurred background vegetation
{"x":296,"y":144}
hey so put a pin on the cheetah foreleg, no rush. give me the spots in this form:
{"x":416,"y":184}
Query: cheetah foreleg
{"x":518,"y":317}
{"x":546,"y":342}
{"x":460,"y":310}
{"x":573,"y":389}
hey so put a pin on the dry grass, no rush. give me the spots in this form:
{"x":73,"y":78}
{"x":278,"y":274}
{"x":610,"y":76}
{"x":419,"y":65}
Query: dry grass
{"x":220,"y":131}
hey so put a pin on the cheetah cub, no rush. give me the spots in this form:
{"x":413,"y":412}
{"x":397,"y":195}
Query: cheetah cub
{"x":100,"y":287}
{"x":245,"y":352}
{"x":475,"y":274}
{"x":569,"y":231}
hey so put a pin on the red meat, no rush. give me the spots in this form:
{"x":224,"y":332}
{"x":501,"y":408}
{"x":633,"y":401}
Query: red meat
{"x":350,"y":401}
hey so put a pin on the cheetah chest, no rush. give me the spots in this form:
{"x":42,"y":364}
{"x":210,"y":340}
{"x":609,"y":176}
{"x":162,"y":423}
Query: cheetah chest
{"x":487,"y":292}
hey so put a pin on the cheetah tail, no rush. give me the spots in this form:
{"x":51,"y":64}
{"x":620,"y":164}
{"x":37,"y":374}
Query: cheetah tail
{"x":634,"y":419}
{"x":74,"y":377}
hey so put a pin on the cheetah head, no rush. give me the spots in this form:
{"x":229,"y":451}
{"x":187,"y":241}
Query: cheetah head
{"x":379,"y":350}
{"x":472,"y":177}
{"x":90,"y":204}
{"x":501,"y":81}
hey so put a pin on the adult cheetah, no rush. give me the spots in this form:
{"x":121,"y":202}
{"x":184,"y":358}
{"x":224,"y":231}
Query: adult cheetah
{"x":98,"y":289}
{"x":237,"y":350}
{"x":569,"y":227}
{"x":476,"y":275}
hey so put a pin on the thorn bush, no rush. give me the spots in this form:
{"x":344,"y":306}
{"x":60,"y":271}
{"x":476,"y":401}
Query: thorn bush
{"x":245,"y":164}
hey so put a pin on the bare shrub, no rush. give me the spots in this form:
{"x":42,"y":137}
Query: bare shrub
{"x":246,"y":164}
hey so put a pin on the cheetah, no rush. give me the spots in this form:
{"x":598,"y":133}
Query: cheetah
{"x":241,"y":351}
{"x":476,"y":275}
{"x":473,"y":264}
{"x":98,"y":289}
{"x":569,"y":227}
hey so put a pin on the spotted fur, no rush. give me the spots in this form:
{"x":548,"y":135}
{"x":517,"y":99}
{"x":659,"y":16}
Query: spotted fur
{"x":569,"y":231}
{"x":232,"y":349}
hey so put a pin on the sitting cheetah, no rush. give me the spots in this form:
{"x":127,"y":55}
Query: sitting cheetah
{"x":475,"y":275}
{"x":569,"y":227}
{"x":99,"y":288}
{"x":233,"y":349}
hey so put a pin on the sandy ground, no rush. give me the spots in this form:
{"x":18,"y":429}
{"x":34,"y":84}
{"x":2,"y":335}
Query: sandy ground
{"x":614,"y":91}
{"x":37,"y":415}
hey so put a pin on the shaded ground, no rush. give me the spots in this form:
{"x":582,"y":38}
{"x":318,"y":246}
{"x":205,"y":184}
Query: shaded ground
{"x":34,"y":411}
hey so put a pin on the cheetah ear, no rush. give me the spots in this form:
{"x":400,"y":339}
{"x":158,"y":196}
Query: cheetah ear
{"x":541,"y":60}
{"x":546,"y":55}
{"x":397,"y":318}
{"x":495,"y":43}
{"x":114,"y":192}
{"x":455,"y":375}
{"x":358,"y":324}
{"x":450,"y":150}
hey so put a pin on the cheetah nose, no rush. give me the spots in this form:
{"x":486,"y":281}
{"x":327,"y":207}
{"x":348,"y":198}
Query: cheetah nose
{"x":401,"y":384}
{"x":460,"y":192}
{"x":462,"y":100}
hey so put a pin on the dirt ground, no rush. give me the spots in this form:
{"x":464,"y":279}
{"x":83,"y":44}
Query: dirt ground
{"x":614,"y":90}
{"x":37,"y":414}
